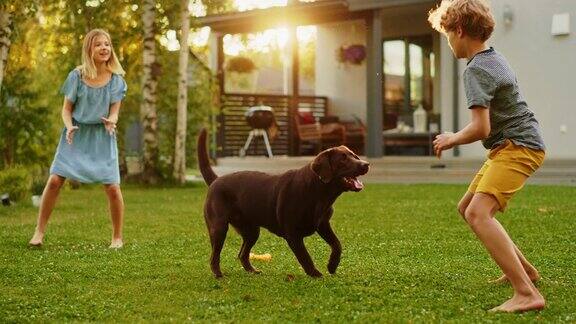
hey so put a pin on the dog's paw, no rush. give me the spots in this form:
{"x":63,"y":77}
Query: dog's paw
{"x":218,"y":275}
{"x":332,"y":267}
{"x":314,"y":273}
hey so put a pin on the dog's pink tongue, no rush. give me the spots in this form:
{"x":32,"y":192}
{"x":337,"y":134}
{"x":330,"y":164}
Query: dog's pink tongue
{"x":357,"y":184}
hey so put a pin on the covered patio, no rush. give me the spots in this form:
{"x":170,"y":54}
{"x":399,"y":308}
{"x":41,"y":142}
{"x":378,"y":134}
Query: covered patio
{"x":232,"y":127}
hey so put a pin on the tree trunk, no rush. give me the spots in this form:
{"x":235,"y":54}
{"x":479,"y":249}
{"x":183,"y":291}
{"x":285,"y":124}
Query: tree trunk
{"x":181,"y":119}
{"x":150,"y":173}
{"x":5,"y":32}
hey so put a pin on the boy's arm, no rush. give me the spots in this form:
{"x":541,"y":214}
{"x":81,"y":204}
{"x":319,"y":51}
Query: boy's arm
{"x":477,"y":129}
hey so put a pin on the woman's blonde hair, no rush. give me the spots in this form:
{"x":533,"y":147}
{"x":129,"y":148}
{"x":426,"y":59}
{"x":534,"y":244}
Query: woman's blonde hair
{"x":473,"y":16}
{"x":88,"y":68}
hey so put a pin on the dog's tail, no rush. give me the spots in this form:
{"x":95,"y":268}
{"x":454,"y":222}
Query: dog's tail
{"x":203,"y":159}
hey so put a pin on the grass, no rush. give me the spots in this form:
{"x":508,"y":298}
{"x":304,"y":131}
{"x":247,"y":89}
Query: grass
{"x":407,"y":257}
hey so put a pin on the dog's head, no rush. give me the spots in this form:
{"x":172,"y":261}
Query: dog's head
{"x":341,"y":166}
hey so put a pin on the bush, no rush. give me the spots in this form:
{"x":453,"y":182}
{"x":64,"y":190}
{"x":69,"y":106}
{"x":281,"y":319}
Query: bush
{"x":39,"y":178}
{"x":15,"y":181}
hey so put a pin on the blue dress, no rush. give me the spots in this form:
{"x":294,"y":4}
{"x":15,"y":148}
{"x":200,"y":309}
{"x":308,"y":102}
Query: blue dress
{"x":93,"y":154}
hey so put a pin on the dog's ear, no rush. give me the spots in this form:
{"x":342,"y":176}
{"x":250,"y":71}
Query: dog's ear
{"x":321,"y":166}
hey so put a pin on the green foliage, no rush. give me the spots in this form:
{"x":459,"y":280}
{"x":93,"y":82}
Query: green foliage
{"x":39,"y":175}
{"x":27,"y":135}
{"x":201,"y":92}
{"x":46,"y":46}
{"x":407,"y":257}
{"x":16,"y":182}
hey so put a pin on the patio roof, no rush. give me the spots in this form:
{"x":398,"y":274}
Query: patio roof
{"x":355,"y":5}
{"x":300,"y":14}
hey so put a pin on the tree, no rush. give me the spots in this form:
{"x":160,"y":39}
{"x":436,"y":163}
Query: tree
{"x":5,"y":32}
{"x":181,"y":119}
{"x":151,"y":71}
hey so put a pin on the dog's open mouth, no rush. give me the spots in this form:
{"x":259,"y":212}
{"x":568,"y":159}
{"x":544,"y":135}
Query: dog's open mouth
{"x":353,"y":183}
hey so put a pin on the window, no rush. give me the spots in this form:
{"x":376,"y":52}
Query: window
{"x":408,"y":78}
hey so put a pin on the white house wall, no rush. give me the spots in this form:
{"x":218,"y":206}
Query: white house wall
{"x":545,"y":66}
{"x":344,"y":85}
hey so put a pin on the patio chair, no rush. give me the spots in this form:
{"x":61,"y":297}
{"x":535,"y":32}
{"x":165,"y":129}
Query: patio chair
{"x":355,"y":135}
{"x":319,"y":135}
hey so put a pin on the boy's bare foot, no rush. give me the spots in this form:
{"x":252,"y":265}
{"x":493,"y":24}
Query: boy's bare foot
{"x":522,"y":303}
{"x":116,"y":244}
{"x":533,"y":275}
{"x":36,"y":240}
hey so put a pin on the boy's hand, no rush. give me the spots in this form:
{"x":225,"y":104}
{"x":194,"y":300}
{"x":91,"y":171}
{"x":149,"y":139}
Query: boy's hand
{"x":444,"y":141}
{"x":70,"y":133}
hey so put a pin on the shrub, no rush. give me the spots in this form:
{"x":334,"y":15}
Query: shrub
{"x":15,"y":181}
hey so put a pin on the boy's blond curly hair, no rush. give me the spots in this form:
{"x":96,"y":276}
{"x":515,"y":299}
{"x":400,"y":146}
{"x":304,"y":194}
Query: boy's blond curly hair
{"x":473,"y":16}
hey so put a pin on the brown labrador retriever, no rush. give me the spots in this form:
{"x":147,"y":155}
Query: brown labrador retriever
{"x":292,"y":205}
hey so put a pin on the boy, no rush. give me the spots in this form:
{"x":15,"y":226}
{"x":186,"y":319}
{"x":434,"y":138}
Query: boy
{"x":502,"y":120}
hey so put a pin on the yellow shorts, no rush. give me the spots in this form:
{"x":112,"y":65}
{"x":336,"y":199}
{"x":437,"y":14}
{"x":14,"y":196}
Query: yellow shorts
{"x":506,"y":170}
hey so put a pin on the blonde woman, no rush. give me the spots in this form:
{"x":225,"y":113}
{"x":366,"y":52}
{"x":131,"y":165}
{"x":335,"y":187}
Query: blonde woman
{"x":87,"y":151}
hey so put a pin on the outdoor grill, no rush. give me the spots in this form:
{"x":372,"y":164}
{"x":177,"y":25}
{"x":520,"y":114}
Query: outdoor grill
{"x":260,"y":119}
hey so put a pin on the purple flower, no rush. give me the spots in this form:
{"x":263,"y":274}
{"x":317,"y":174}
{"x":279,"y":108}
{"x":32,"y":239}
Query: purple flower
{"x":354,"y":54}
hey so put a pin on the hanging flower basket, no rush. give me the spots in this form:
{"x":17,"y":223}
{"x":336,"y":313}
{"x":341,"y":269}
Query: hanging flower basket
{"x":240,"y":64}
{"x":353,"y":54}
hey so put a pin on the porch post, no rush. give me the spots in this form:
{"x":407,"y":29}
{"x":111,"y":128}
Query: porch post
{"x":295,"y":88}
{"x":216,"y":44}
{"x":220,"y":73}
{"x":374,"y":89}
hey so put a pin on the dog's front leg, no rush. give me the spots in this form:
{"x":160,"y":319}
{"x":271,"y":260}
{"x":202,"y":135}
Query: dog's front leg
{"x":296,"y":243}
{"x":326,"y":232}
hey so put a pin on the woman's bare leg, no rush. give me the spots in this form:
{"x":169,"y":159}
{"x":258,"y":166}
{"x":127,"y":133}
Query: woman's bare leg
{"x":116,"y":204}
{"x":49,"y":197}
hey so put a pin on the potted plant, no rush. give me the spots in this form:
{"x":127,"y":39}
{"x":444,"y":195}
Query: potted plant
{"x":353,"y":54}
{"x":243,"y":73}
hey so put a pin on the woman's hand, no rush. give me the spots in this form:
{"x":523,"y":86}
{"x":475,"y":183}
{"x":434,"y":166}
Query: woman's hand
{"x":110,"y":125}
{"x":70,"y":133}
{"x":443,"y":142}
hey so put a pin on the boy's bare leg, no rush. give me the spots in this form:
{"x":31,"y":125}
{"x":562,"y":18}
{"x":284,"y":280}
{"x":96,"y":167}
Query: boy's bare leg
{"x":49,"y":197}
{"x":116,"y":204}
{"x":528,"y":267}
{"x":479,"y":215}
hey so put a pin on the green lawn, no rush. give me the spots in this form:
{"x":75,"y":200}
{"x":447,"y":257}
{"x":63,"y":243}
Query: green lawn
{"x":407,"y":257}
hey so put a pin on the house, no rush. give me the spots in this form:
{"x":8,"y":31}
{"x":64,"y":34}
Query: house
{"x":407,"y":65}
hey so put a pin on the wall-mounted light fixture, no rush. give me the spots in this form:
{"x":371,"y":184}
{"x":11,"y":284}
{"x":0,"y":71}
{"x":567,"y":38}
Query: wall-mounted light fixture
{"x":508,"y":16}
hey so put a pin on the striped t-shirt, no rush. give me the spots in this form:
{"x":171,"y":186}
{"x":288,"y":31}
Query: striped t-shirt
{"x":490,"y":82}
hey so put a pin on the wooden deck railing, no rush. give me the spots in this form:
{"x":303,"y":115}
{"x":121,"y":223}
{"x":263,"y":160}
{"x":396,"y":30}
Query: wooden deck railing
{"x":233,"y":129}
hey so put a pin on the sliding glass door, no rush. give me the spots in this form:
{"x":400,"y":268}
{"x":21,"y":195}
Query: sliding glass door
{"x":408,"y":78}
{"x":408,"y":84}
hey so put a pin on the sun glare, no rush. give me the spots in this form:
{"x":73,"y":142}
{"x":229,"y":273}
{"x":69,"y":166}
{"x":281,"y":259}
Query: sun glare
{"x":264,"y":41}
{"x":243,"y":5}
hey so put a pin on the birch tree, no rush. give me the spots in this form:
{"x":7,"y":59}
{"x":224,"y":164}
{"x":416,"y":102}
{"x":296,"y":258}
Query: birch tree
{"x":149,"y":116}
{"x":182,"y":104}
{"x":5,"y":33}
